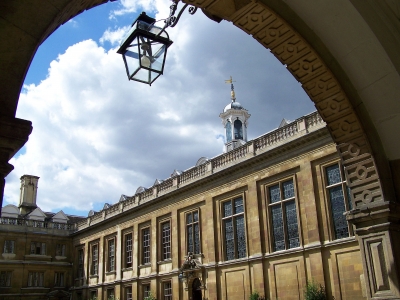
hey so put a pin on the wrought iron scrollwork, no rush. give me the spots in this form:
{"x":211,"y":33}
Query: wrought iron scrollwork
{"x":172,"y":20}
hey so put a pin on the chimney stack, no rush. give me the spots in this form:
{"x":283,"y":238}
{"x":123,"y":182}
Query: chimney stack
{"x":27,"y":200}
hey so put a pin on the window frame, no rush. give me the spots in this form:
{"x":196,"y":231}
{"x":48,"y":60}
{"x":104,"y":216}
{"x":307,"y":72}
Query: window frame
{"x":59,"y":279}
{"x":128,"y":250}
{"x":165,"y":241}
{"x":61,"y":249}
{"x":145,"y":289}
{"x":233,"y":217}
{"x":94,"y":259}
{"x":281,"y":202}
{"x":80,"y":270}
{"x":328,"y":201}
{"x":6,"y":246}
{"x":37,"y":247}
{"x":7,"y":276}
{"x":192,"y":226}
{"x":93,"y":294}
{"x":145,"y":250}
{"x":165,"y":295}
{"x":128,"y":290}
{"x":111,"y":254}
{"x":110,"y":292}
{"x":40,"y":280}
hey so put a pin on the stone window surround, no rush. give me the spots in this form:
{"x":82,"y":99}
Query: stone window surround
{"x":231,"y":197}
{"x":191,"y":224}
{"x":110,"y":269}
{"x":161,"y":221}
{"x":142,"y":228}
{"x":92,"y":246}
{"x":125,"y":235}
{"x":327,"y":201}
{"x":279,"y":180}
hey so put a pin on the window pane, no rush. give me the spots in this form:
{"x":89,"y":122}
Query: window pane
{"x":333,"y":174}
{"x":167,"y":291}
{"x":229,"y":239}
{"x":196,"y":238}
{"x":241,"y":236}
{"x":190,"y":238}
{"x":338,"y":208}
{"x":277,"y":225}
{"x":288,"y":189}
{"x":274,"y":193}
{"x":166,"y":240}
{"x":189,"y":219}
{"x":227,"y":209}
{"x":5,"y":278}
{"x":238,"y":205}
{"x":195,"y":216}
{"x":128,"y":250}
{"x":292,"y":228}
{"x":146,"y":246}
{"x":111,"y":255}
{"x":128,"y":293}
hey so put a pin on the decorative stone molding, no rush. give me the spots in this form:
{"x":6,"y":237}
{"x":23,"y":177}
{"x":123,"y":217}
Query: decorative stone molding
{"x":292,"y":50}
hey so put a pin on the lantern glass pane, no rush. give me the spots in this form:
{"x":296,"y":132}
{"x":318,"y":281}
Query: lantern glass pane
{"x":132,"y":63}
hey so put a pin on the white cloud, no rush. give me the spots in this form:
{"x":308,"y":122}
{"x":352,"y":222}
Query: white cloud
{"x":96,"y":135}
{"x":133,"y":6}
{"x":114,"y":37}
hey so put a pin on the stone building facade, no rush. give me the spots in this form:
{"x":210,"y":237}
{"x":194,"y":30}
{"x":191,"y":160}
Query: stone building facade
{"x":265,"y":217}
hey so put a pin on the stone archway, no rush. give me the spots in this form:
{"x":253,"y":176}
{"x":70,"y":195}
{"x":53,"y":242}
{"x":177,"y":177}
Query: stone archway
{"x":361,"y":149}
{"x":196,"y":290}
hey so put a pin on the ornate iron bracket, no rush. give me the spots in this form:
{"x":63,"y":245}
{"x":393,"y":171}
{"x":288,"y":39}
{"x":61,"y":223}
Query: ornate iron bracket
{"x":172,"y":20}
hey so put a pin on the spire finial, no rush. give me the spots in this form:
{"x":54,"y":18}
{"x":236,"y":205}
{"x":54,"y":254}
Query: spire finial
{"x":232,"y":88}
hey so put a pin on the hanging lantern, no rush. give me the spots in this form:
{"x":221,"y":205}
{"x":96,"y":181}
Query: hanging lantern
{"x":144,"y":50}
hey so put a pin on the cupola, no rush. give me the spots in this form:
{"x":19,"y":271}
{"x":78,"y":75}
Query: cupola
{"x":235,"y":120}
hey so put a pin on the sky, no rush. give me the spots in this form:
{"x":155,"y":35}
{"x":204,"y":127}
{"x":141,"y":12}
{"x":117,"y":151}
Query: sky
{"x":97,"y":135}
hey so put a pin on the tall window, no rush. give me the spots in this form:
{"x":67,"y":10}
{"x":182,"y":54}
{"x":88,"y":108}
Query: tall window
{"x":8,"y":246}
{"x":80,"y":263}
{"x":38,"y":248}
{"x":95,"y":260}
{"x":339,"y":199}
{"x":111,"y":255}
{"x":5,"y":278}
{"x":93,"y":295}
{"x":166,"y":240}
{"x":146,"y":290}
{"x":60,"y":250}
{"x":35,"y":279}
{"x":283,"y":212}
{"x":234,"y":228}
{"x":128,"y":250}
{"x":145,"y":246}
{"x":110,"y":294}
{"x":128,"y":293}
{"x":193,"y":232}
{"x":59,"y":279}
{"x":167,"y":290}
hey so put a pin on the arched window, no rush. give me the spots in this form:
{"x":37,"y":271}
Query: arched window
{"x":238,"y":130}
{"x":228,"y":132}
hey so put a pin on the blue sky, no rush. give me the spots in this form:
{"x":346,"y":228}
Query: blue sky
{"x":97,"y":135}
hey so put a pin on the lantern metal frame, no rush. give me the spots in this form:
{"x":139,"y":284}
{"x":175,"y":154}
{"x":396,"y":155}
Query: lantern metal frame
{"x":137,"y":50}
